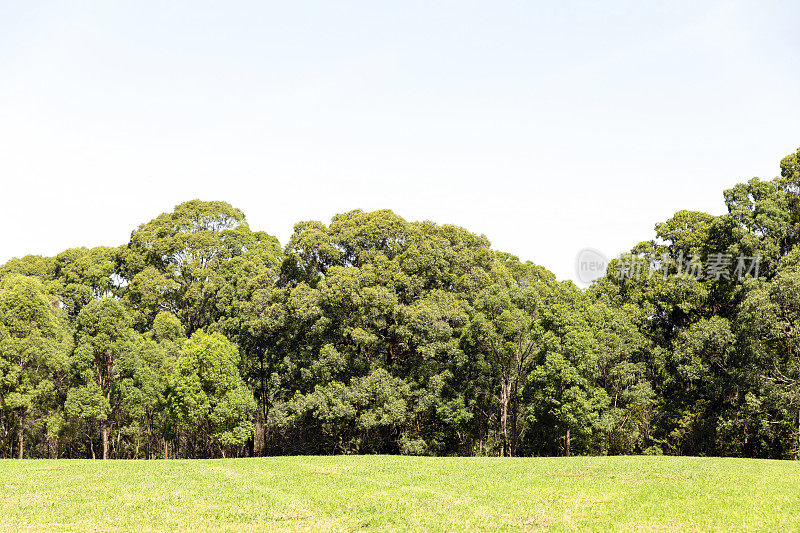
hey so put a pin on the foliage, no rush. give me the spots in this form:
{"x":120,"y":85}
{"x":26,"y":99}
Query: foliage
{"x":210,"y":403}
{"x":371,"y":334}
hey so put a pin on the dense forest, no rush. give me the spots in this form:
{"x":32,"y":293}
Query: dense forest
{"x":203,"y":338}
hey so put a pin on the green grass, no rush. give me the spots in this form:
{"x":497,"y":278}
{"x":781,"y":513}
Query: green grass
{"x":401,"y":493}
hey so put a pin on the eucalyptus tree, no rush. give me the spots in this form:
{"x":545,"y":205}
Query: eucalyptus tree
{"x":186,"y":262}
{"x":105,"y":364}
{"x":33,"y":346}
{"x":505,"y":328}
{"x":84,"y":275}
{"x":211,"y":404}
{"x":373,"y":291}
{"x":36,"y":266}
{"x":372,"y":333}
{"x":770,"y":314}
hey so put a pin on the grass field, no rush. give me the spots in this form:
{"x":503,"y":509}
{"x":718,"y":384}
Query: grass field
{"x":401,"y":493}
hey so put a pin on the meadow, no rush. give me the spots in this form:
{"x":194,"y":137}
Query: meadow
{"x":344,"y":493}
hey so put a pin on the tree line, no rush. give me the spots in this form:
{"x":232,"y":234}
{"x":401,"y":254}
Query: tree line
{"x":203,"y":338}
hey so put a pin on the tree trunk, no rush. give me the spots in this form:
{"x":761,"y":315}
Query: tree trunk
{"x":514,"y":431}
{"x":52,"y":445}
{"x":104,"y":431}
{"x":567,"y":442}
{"x":21,"y":439}
{"x":259,"y":436}
{"x":4,"y":438}
{"x":505,"y":393}
{"x":104,"y":423}
{"x":797,"y":440}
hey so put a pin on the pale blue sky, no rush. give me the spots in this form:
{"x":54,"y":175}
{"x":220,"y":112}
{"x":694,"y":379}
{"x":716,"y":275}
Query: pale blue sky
{"x":547,"y":127}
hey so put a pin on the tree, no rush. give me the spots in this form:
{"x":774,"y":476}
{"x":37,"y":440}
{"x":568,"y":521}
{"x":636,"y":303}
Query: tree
{"x":772,"y":316}
{"x":83,"y":275}
{"x":32,"y":352}
{"x":104,"y":346}
{"x":374,"y":334}
{"x":505,"y":326}
{"x":369,"y":415}
{"x":185,"y":262}
{"x":373,"y":291}
{"x":207,"y":396}
{"x":563,"y":397}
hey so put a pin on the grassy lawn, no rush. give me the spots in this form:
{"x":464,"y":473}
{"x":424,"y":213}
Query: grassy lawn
{"x":401,"y":493}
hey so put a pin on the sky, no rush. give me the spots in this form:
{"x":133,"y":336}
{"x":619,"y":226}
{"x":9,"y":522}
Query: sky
{"x":547,"y":126}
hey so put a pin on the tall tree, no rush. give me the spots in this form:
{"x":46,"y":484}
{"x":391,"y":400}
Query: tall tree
{"x":212,"y":405}
{"x":104,"y":341}
{"x":32,"y":353}
{"x":181,"y":262}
